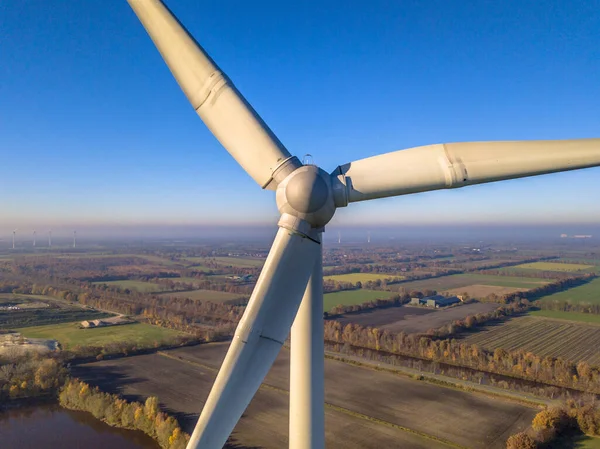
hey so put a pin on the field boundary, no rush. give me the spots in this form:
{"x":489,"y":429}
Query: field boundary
{"x":333,"y":407}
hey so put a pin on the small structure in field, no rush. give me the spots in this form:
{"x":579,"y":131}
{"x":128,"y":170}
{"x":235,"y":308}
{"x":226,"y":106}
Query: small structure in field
{"x":435,"y":301}
{"x":87,"y":324}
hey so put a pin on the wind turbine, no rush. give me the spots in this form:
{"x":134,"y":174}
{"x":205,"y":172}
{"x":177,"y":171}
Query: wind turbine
{"x":74,"y":238}
{"x":14,"y":232}
{"x":289,"y":288}
{"x":50,"y":238}
{"x":34,"y":238}
{"x":368,"y":236}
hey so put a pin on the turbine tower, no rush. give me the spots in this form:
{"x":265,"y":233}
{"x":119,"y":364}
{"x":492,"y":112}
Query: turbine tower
{"x":339,"y":237}
{"x":288,"y":293}
{"x":74,"y":238}
{"x":368,"y":236}
{"x":14,"y":232}
{"x":34,"y":238}
{"x":50,"y":238}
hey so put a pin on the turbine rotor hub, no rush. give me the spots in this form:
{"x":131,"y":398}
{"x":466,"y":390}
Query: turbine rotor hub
{"x":306,"y":193}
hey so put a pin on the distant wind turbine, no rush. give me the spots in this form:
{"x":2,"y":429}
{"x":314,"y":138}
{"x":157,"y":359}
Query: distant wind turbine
{"x":368,"y":236}
{"x":14,"y":232}
{"x":34,"y":238}
{"x":339,"y":237}
{"x":50,"y":238}
{"x":74,"y":238}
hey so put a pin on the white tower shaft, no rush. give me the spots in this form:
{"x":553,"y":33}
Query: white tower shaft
{"x":307,"y":389}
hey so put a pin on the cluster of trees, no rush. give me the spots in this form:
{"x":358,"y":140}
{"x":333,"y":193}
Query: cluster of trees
{"x":565,"y":306}
{"x":29,"y":375}
{"x":517,"y":364}
{"x":554,"y":425}
{"x":117,"y":412}
{"x":471,"y":321}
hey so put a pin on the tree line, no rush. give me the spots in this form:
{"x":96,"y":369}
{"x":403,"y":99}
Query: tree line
{"x":118,"y":412}
{"x":518,"y":364}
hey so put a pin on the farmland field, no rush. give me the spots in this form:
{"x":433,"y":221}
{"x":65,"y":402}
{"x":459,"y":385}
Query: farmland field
{"x":554,"y":266}
{"x":233,"y":261}
{"x":570,"y":316}
{"x":543,"y":337}
{"x":588,"y":293}
{"x":140,"y":286}
{"x":462,"y":280}
{"x":481,"y":291}
{"x":204,"y":295}
{"x":349,"y":297}
{"x":364,"y":408}
{"x":70,"y":335}
{"x":411,"y":319}
{"x":362,"y":277}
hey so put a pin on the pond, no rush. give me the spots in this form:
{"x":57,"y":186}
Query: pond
{"x":52,"y":427}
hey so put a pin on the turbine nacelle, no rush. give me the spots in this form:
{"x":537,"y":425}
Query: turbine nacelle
{"x":307,"y":195}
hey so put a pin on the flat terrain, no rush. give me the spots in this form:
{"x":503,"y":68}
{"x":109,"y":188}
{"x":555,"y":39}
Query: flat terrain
{"x":481,"y":291}
{"x":463,"y":280}
{"x":543,"y":337}
{"x":204,"y":295}
{"x":588,"y":293}
{"x":70,"y":335}
{"x":362,"y":277}
{"x":554,"y":266}
{"x":348,"y":297}
{"x":381,"y":317}
{"x":569,"y":316}
{"x":365,"y":408}
{"x":229,"y":261}
{"x":140,"y":286}
{"x":439,"y":317}
{"x":36,"y":310}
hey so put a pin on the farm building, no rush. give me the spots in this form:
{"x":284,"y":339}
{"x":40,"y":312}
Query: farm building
{"x":435,"y":302}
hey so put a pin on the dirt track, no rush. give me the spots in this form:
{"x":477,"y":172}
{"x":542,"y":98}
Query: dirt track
{"x":366,"y":407}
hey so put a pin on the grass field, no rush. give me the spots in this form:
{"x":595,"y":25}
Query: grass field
{"x":204,"y":295}
{"x":569,"y":316}
{"x":481,"y":291}
{"x":70,"y":335}
{"x":543,"y":337}
{"x":553,"y":266}
{"x":365,"y":409}
{"x":348,"y":297}
{"x":361,"y":277}
{"x":463,"y":280}
{"x":588,"y":293}
{"x":586,"y":442}
{"x":140,"y":286}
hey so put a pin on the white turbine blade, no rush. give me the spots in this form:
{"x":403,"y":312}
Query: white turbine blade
{"x":216,"y":100}
{"x":453,"y":165}
{"x":258,"y":338}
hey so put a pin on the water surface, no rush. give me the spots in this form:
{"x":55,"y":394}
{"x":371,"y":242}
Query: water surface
{"x":53,"y":427}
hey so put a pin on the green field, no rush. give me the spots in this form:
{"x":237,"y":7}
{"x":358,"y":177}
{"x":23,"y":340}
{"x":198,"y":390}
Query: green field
{"x":584,"y":442}
{"x":570,"y":316}
{"x":70,"y":335}
{"x":463,"y":280}
{"x":204,"y":295}
{"x":140,"y":286}
{"x":187,"y":280}
{"x":348,"y":297}
{"x":588,"y":293}
{"x":361,"y":277}
{"x":553,"y":266}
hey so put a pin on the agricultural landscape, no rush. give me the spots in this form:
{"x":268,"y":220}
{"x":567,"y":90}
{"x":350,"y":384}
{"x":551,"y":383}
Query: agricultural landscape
{"x":521,"y":335}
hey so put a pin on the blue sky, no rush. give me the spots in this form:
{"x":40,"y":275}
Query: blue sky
{"x":94,"y":130}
